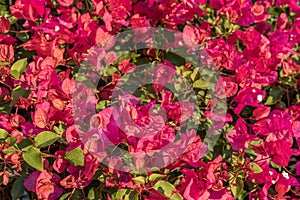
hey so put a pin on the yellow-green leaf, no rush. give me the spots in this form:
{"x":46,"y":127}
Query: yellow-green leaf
{"x":18,"y":68}
{"x":33,"y":157}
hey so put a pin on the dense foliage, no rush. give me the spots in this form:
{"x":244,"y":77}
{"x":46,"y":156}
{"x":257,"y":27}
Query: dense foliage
{"x":255,"y":48}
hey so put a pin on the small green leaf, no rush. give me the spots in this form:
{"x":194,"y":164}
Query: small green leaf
{"x":18,"y":188}
{"x":275,"y":95}
{"x":176,"y":197}
{"x":7,"y":151}
{"x":237,"y":186}
{"x":65,"y":196}
{"x":25,"y":144}
{"x":75,"y":156}
{"x":288,"y":81}
{"x":126,"y":194}
{"x":155,"y":177}
{"x":110,"y":70}
{"x":121,"y":193}
{"x":3,"y":134}
{"x":45,"y":138}
{"x":33,"y":157}
{"x":200,"y":84}
{"x":194,"y":74}
{"x":139,"y":179}
{"x":275,"y":165}
{"x":18,"y":68}
{"x":18,"y":92}
{"x":255,"y":167}
{"x":11,"y":141}
{"x":94,"y":194}
{"x":4,"y":63}
{"x":174,"y":59}
{"x":164,"y":187}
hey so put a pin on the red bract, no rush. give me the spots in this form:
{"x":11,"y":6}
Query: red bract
{"x":81,"y":177}
{"x":6,"y":53}
{"x":226,"y":87}
{"x":65,"y":2}
{"x":44,"y":184}
{"x":239,"y":137}
{"x":224,"y":54}
{"x":192,"y":185}
{"x":275,"y":150}
{"x":248,"y":96}
{"x":4,"y":24}
{"x":28,"y":9}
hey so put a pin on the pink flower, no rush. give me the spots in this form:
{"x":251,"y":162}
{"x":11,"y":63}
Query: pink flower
{"x":250,"y":38}
{"x":224,"y":54}
{"x":191,"y":186}
{"x":226,"y":87}
{"x":259,"y":11}
{"x":192,"y":34}
{"x":280,"y":151}
{"x":60,"y":164}
{"x":248,"y":96}
{"x":125,"y":67}
{"x":279,"y":127}
{"x":28,"y":9}
{"x":81,"y":177}
{"x":239,"y":136}
{"x":44,"y":184}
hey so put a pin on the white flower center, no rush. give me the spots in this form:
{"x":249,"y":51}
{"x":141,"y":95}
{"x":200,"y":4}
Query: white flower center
{"x":259,"y":97}
{"x":56,"y":28}
{"x":271,"y":173}
{"x":285,"y":175}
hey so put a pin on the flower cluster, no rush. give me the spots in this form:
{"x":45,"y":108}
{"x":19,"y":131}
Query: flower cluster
{"x":254,"y":46}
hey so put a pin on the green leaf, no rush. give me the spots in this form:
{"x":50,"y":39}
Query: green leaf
{"x":121,"y":193}
{"x":11,"y":141}
{"x":126,"y":194}
{"x":45,"y":138}
{"x":194,"y":74}
{"x":255,"y":167}
{"x":164,"y":187}
{"x":18,"y":68}
{"x":3,"y":134}
{"x":200,"y":84}
{"x":110,"y":70}
{"x":174,"y":59}
{"x":94,"y":194}
{"x":7,"y":151}
{"x":18,"y":92}
{"x":275,"y":165}
{"x":102,"y":105}
{"x":275,"y":95}
{"x":155,"y":177}
{"x":75,"y":156}
{"x":176,"y":197}
{"x":24,"y":37}
{"x":237,"y":186}
{"x":4,"y":63}
{"x":288,"y":81}
{"x":139,"y":179}
{"x":25,"y":144}
{"x":18,"y":188}
{"x":33,"y":157}
{"x":65,"y":196}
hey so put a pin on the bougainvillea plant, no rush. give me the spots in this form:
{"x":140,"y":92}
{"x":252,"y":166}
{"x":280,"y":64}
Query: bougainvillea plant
{"x":51,"y":150}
